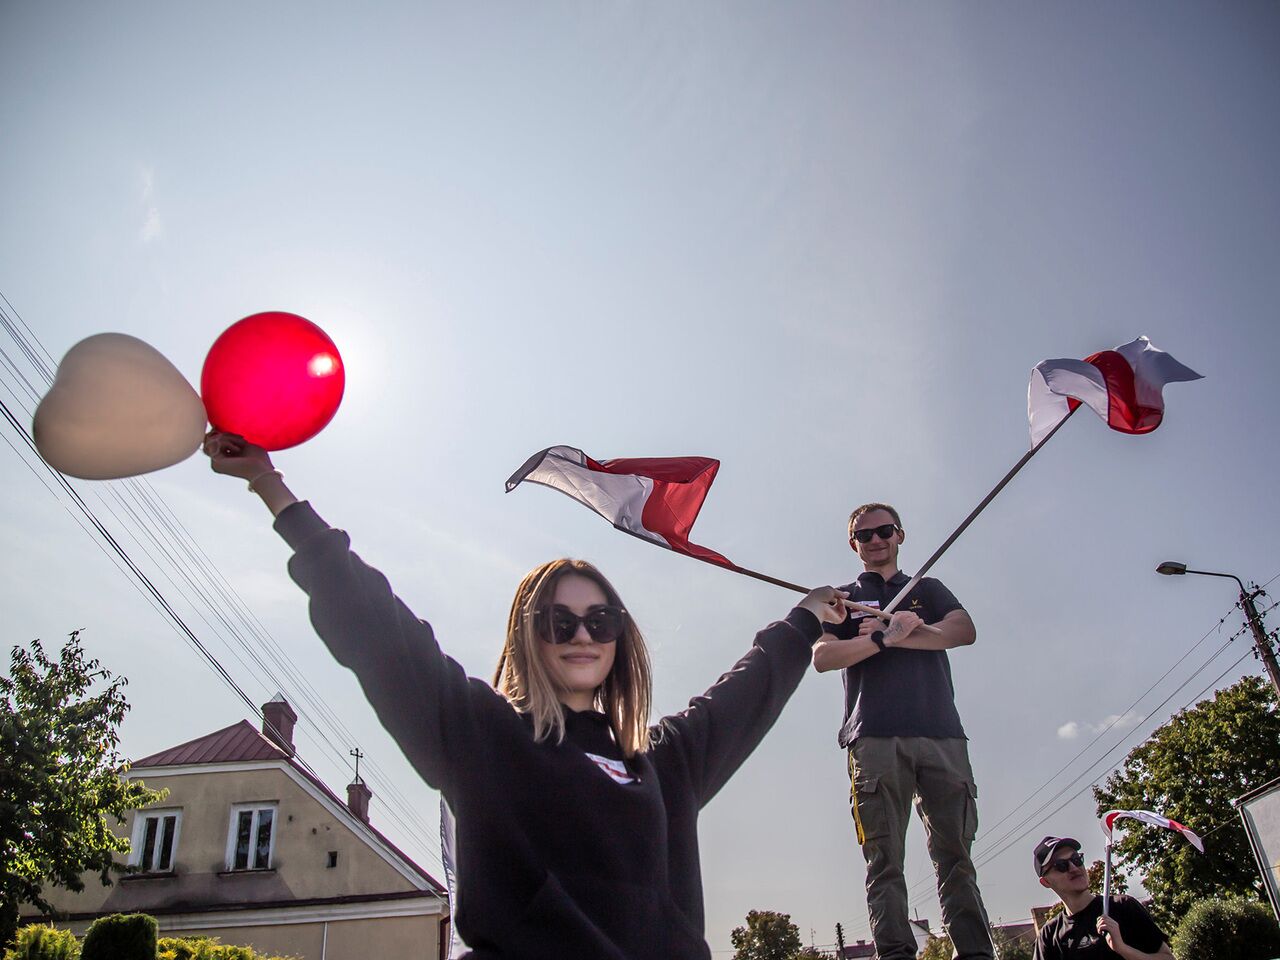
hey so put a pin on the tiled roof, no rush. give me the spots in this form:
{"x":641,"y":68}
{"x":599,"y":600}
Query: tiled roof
{"x":234,"y":744}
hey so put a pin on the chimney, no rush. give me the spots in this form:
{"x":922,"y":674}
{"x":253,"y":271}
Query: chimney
{"x":358,"y":796}
{"x":278,"y":719}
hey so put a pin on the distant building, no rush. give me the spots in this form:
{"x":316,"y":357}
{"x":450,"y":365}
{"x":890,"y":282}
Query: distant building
{"x":864,"y":948}
{"x":250,"y":847}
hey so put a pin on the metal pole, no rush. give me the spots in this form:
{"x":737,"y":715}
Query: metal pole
{"x":1106,"y":882}
{"x":1026,"y":458}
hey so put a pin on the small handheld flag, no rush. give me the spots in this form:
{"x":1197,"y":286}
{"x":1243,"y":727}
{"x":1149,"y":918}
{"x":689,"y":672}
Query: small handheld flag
{"x":1107,"y":823}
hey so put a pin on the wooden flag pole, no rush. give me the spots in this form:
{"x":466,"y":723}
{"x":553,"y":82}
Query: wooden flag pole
{"x":976,"y":510}
{"x":852,"y":605}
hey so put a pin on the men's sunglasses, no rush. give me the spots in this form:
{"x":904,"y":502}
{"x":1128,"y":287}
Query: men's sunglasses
{"x":884,"y":532}
{"x":559,"y":624}
{"x":1066,"y":863}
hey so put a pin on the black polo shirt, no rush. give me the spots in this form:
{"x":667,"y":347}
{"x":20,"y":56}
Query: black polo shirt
{"x":897,"y":692}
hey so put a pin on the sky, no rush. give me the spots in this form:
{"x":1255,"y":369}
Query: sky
{"x":824,"y":243}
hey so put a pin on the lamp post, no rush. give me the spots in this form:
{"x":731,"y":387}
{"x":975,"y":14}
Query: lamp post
{"x":1172,"y":568}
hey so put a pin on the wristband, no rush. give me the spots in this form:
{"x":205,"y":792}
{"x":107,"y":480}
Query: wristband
{"x":877,"y":637}
{"x":264,"y":473}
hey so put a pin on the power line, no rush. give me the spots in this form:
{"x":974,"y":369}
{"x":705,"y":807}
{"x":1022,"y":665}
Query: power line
{"x":166,"y":536}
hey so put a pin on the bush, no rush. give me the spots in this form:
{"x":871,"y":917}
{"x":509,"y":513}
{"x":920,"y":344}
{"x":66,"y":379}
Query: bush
{"x":206,"y":948}
{"x":1236,"y":929}
{"x":38,"y":942}
{"x":121,"y":936}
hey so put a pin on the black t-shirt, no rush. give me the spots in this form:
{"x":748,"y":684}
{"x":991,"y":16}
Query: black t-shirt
{"x":897,"y":692}
{"x":1075,"y":936}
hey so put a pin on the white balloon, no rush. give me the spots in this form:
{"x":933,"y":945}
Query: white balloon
{"x":117,"y":408}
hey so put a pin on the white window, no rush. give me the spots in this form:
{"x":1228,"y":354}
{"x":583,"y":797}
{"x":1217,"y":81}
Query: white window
{"x":155,"y":840}
{"x":252,"y":836}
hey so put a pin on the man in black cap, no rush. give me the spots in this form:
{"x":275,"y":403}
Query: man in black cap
{"x":1081,"y":931}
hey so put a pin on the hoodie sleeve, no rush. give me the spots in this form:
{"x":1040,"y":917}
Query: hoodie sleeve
{"x":714,"y":736}
{"x":423,"y":698}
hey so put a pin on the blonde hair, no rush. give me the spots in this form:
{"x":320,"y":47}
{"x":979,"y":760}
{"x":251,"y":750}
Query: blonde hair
{"x":522,"y":677}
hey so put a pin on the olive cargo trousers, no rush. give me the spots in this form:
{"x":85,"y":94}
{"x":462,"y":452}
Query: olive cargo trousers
{"x":886,"y":773}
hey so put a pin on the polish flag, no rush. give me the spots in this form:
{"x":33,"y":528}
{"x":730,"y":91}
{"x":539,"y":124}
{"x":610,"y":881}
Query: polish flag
{"x":654,"y":498}
{"x":1123,"y":386}
{"x":1154,"y":819}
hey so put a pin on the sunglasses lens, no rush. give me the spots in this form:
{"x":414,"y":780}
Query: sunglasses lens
{"x":563,"y":625}
{"x":604,"y":624}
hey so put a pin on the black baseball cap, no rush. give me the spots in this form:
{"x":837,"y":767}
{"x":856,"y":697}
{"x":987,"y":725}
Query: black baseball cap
{"x":1044,"y":851}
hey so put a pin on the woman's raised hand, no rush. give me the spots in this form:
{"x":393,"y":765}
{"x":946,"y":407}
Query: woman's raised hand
{"x":825,"y":604}
{"x":235,"y":456}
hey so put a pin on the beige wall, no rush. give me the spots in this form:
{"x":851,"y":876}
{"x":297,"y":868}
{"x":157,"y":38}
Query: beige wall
{"x":386,"y":938}
{"x":305,"y":833}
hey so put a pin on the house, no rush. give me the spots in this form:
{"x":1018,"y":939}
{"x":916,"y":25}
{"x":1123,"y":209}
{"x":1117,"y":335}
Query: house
{"x":251,"y":847}
{"x":864,"y":948}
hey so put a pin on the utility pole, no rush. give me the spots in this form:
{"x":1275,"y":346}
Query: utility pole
{"x":1260,"y":637}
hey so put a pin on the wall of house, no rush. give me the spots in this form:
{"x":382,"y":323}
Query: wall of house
{"x":381,"y":938}
{"x":305,"y":834}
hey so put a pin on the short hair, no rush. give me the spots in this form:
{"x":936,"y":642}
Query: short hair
{"x":522,"y":678}
{"x":867,"y":508}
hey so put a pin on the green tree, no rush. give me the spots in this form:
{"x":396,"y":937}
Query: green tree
{"x":1190,"y":770}
{"x":60,"y":776}
{"x":767,"y":936}
{"x":937,"y":948}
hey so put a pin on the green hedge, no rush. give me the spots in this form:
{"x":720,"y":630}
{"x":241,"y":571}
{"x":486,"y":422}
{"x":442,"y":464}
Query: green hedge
{"x":1235,"y":929}
{"x":121,"y":936}
{"x":207,"y":948}
{"x":39,"y":942}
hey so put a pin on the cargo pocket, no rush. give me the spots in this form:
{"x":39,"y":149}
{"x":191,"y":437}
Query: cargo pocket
{"x":970,"y":811}
{"x":866,"y":802}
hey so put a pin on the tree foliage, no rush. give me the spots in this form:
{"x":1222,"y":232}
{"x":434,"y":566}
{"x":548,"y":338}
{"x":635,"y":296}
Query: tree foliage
{"x":60,"y":776}
{"x":768,"y":935}
{"x":1190,"y":770}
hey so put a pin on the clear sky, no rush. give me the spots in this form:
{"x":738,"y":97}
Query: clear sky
{"x":822,"y":242}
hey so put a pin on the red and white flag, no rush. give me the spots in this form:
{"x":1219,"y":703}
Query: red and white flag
{"x":654,"y":498}
{"x":1123,"y":386}
{"x":1154,"y":819}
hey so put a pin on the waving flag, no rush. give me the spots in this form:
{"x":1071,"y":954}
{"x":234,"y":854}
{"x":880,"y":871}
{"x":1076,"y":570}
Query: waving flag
{"x":654,"y":498}
{"x":1122,"y":386}
{"x":1154,"y":819}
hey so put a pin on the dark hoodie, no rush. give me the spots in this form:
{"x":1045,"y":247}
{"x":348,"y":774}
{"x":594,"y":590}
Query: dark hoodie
{"x":555,"y":859}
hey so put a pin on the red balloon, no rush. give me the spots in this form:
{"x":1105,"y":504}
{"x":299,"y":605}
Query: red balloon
{"x":274,"y":378}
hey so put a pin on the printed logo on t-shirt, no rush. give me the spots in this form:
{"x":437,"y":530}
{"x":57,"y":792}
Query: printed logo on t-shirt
{"x":614,"y":768}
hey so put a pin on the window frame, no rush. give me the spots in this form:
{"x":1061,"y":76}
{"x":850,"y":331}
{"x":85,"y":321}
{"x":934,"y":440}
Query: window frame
{"x":255,"y":808}
{"x":159,"y":814}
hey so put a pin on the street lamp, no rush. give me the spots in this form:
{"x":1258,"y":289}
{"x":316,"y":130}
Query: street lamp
{"x":1173,"y":568}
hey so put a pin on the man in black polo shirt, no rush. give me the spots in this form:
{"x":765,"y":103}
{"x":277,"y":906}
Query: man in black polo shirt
{"x":1080,"y":932}
{"x":905,"y":740}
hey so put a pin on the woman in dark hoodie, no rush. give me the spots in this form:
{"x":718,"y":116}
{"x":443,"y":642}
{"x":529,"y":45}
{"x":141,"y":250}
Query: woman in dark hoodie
{"x":576,"y":821}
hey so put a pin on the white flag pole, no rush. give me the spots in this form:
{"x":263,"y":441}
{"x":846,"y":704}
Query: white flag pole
{"x":976,"y":510}
{"x":1106,"y":882}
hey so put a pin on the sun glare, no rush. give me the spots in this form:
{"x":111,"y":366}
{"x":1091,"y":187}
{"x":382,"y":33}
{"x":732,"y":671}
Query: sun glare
{"x":323,"y":365}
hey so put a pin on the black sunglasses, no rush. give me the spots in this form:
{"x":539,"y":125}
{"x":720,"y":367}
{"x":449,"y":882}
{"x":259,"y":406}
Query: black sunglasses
{"x":559,"y":624}
{"x":1066,"y":863}
{"x":885,"y":531}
